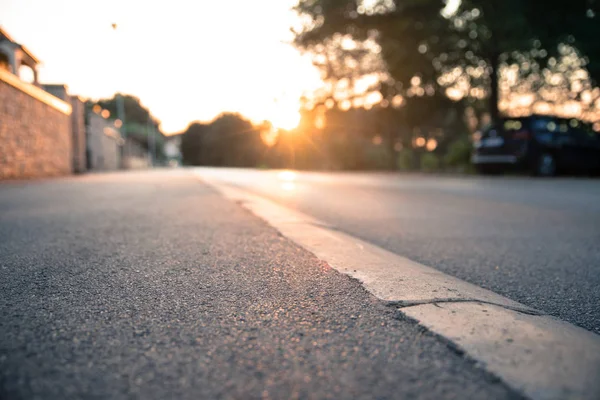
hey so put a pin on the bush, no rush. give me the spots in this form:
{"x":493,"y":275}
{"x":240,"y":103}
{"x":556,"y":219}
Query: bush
{"x":406,"y":160}
{"x":458,"y":153}
{"x":429,"y":162}
{"x":377,"y":157}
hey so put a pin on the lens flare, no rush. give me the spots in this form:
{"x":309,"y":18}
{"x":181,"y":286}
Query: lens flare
{"x":287,"y":176}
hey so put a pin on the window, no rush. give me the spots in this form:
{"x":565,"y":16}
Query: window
{"x":545,"y":129}
{"x":545,"y":124}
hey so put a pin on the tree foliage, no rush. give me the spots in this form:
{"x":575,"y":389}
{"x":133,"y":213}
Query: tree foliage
{"x":420,"y":38}
{"x":134,"y":111}
{"x":403,"y":77}
{"x":402,"y":41}
{"x":139,"y":122}
{"x":229,"y":140}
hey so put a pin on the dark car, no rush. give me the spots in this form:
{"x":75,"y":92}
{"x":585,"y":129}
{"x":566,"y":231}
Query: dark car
{"x":542,"y":145}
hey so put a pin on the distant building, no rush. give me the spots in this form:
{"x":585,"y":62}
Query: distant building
{"x":103,"y":144}
{"x":137,"y":155}
{"x":172,"y":149}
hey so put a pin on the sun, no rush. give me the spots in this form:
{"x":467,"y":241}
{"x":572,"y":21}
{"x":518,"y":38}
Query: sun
{"x":286,"y":119}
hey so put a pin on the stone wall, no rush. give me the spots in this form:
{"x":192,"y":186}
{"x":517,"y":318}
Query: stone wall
{"x":77,"y":124}
{"x":35,"y":131}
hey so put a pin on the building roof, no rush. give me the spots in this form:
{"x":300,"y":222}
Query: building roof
{"x":5,"y":36}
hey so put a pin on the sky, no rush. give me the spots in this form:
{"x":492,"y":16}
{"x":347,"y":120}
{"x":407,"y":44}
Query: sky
{"x":186,"y":60}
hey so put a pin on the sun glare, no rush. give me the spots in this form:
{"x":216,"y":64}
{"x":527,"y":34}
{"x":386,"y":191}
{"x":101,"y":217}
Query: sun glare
{"x":287,"y":176}
{"x":286,"y":120}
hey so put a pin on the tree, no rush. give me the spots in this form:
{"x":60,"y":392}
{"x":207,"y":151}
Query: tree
{"x":229,"y":140}
{"x":416,"y":39}
{"x":139,"y":122}
{"x":192,"y":144}
{"x":574,"y":22}
{"x":394,"y":42}
{"x":134,"y":111}
{"x":504,"y":31}
{"x":400,"y":34}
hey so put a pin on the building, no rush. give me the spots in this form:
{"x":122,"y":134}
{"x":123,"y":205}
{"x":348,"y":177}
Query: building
{"x":136,"y":155}
{"x":104,"y":143}
{"x":15,"y":56}
{"x":36,"y":137}
{"x":172,"y":150}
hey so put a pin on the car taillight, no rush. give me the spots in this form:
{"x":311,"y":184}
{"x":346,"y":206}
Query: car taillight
{"x":521,"y":135}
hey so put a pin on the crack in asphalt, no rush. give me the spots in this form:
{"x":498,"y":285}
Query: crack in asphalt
{"x":410,"y":303}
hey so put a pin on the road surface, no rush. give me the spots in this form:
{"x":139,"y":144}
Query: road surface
{"x":536,"y":241}
{"x":151,"y":285}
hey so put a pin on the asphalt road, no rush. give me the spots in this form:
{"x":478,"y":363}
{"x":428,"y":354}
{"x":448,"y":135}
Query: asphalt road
{"x":536,"y":241}
{"x":152,"y":286}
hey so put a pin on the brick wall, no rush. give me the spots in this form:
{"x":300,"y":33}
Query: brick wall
{"x":35,"y":131}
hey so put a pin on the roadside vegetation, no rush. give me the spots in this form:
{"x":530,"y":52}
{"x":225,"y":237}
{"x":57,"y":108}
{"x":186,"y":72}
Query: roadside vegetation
{"x":407,"y":83}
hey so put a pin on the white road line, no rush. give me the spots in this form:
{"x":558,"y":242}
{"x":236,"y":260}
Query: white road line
{"x":538,"y":355}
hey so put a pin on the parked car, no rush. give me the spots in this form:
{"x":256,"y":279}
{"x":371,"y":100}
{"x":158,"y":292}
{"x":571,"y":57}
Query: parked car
{"x":542,"y":145}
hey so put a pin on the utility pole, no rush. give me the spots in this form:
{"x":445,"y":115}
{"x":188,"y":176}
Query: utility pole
{"x":121,"y":115}
{"x":151,"y":140}
{"x":122,"y":130}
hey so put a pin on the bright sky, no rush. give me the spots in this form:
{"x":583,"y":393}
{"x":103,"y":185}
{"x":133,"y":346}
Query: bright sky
{"x":185,"y":59}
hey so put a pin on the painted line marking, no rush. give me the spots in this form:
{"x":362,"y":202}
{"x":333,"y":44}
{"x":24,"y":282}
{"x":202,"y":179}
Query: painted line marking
{"x":537,"y":355}
{"x":540,"y":356}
